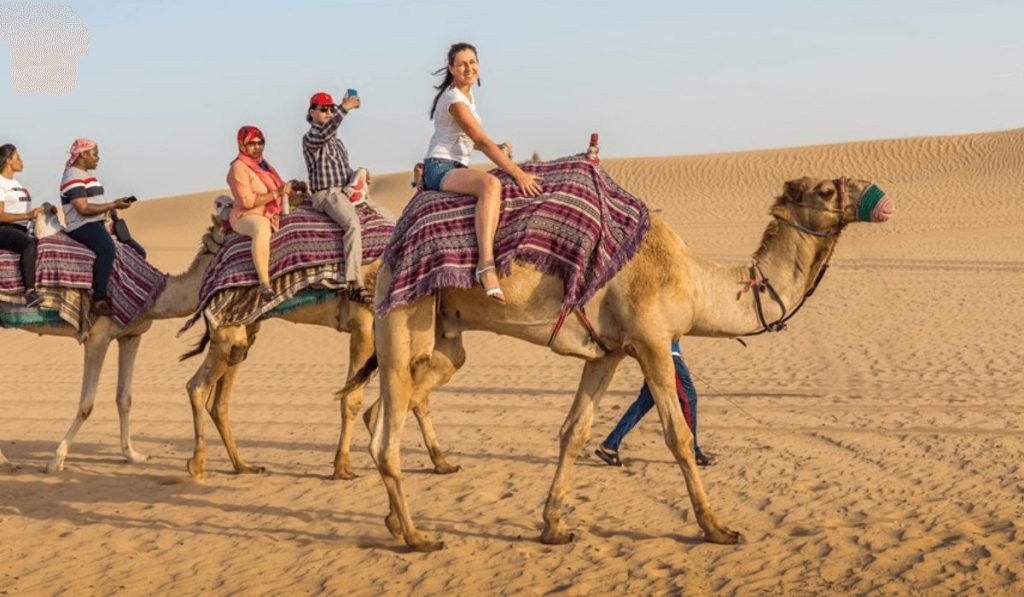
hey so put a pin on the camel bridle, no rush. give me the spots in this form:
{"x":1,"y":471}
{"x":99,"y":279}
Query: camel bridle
{"x":759,"y":283}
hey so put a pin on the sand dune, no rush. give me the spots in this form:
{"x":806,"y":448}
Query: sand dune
{"x":874,"y":446}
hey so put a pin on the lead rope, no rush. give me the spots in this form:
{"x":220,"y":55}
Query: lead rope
{"x":730,"y":400}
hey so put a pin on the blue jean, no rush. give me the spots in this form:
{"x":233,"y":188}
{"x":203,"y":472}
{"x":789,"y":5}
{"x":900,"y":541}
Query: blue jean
{"x":95,"y":237}
{"x":435,"y":170}
{"x":645,"y":401}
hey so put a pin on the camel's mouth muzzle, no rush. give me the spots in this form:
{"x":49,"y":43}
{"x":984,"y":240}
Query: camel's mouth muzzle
{"x":874,"y":205}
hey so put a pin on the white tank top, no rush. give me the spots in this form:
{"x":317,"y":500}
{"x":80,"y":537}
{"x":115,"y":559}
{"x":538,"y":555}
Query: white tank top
{"x":449,"y":141}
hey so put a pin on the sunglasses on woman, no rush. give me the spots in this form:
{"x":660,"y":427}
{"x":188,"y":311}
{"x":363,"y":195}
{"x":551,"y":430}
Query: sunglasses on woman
{"x":325,"y":109}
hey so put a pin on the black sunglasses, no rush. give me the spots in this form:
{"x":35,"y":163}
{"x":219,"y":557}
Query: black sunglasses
{"x":325,"y":109}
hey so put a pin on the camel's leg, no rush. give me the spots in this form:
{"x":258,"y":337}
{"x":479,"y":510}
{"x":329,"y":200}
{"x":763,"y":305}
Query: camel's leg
{"x":397,"y":334}
{"x":573,"y":436}
{"x":447,"y":358}
{"x":96,"y":346}
{"x":360,"y":349}
{"x":128,"y":349}
{"x":200,"y":389}
{"x":217,"y":406}
{"x":659,"y":372}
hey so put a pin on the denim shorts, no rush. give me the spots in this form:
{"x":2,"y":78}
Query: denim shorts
{"x":435,"y":170}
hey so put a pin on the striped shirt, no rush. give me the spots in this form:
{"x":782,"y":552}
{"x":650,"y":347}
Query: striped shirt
{"x":326,"y":156}
{"x":16,"y":199}
{"x":79,"y":184}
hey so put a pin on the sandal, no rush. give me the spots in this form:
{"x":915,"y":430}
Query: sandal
{"x":705,"y":458}
{"x":610,"y":457}
{"x":494,"y":292}
{"x":266,"y":293}
{"x":360,"y":295}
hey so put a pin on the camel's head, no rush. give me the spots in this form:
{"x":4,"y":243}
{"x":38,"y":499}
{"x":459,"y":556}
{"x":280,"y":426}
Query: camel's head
{"x":213,"y":240}
{"x":222,"y":205}
{"x":826,"y":206}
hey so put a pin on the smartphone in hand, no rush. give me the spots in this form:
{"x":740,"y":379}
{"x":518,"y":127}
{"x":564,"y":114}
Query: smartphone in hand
{"x":351,"y":92}
{"x":131,"y":198}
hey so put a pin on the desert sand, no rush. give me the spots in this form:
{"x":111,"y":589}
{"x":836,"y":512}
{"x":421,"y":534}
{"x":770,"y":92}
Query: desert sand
{"x":874,"y":446}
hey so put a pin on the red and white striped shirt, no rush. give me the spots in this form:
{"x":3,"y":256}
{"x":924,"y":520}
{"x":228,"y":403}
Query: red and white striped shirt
{"x":79,"y":184}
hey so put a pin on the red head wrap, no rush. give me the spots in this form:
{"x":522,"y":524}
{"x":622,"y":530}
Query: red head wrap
{"x":79,"y":147}
{"x":248,"y":133}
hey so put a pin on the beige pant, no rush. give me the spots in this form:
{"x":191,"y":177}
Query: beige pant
{"x":258,"y":229}
{"x":335,"y":204}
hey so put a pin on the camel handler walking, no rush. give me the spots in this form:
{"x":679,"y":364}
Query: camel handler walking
{"x":335,"y":187}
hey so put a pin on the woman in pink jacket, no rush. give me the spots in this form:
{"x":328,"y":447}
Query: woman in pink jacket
{"x":258,"y":191}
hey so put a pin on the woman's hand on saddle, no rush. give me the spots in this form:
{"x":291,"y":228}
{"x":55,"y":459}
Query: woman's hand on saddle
{"x":36,"y":211}
{"x":529,"y":184}
{"x":287,"y":189}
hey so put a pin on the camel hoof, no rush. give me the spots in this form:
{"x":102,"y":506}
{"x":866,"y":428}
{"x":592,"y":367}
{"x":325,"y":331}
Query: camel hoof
{"x":344,"y":475}
{"x":197,"y":468}
{"x":394,"y":526}
{"x":54,"y":467}
{"x":248,"y":469}
{"x":557,"y":538}
{"x":446,"y":469}
{"x":421,"y":545}
{"x":723,"y":536}
{"x":133,"y":457}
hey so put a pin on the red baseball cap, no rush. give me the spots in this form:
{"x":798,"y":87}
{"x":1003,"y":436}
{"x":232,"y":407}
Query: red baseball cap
{"x":321,"y":99}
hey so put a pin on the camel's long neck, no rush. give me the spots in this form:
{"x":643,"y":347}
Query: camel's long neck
{"x":788,"y":259}
{"x":180,"y":296}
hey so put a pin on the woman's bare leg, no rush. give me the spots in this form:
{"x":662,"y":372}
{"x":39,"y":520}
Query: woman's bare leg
{"x":487,"y":189}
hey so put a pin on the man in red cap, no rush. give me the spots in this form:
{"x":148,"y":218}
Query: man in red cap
{"x":336,"y":188}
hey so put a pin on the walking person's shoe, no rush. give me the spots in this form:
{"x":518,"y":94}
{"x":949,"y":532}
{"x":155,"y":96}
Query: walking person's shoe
{"x":610,"y":457}
{"x":705,"y":458}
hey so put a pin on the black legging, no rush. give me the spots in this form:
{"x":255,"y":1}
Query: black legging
{"x":94,"y":235}
{"x":16,"y":238}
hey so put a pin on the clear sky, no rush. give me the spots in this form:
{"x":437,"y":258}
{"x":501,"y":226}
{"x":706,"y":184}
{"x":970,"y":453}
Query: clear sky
{"x":165,"y":85}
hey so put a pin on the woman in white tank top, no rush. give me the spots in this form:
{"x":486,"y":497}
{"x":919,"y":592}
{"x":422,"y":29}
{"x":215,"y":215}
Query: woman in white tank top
{"x":457,"y":132}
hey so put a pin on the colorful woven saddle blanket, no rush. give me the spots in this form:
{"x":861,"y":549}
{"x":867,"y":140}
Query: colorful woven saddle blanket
{"x":583,"y":227}
{"x":306,"y":251}
{"x":64,"y":265}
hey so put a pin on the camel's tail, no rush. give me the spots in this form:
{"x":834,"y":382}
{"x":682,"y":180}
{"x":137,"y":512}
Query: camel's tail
{"x":360,"y":378}
{"x":199,"y":348}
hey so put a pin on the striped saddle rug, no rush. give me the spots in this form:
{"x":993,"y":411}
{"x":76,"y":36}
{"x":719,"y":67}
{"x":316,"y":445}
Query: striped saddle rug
{"x":64,"y":265}
{"x":583,"y":227}
{"x":305,"y":252}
